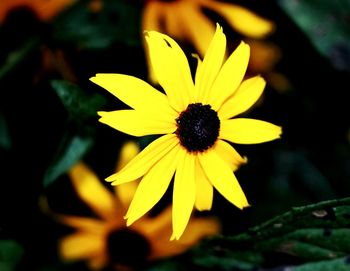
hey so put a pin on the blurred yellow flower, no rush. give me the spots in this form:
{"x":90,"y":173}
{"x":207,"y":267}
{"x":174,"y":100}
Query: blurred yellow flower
{"x":196,"y":121}
{"x":184,"y":20}
{"x":106,"y":239}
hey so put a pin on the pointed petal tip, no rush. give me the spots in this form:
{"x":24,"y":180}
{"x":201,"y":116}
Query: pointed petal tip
{"x":174,"y":237}
{"x":111,"y":179}
{"x":101,"y":113}
{"x":129,"y":220}
{"x":95,"y":77}
{"x":244,"y":205}
{"x":245,"y":160}
{"x":280,"y":130}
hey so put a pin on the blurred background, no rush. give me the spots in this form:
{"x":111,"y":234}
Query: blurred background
{"x":48,"y":122}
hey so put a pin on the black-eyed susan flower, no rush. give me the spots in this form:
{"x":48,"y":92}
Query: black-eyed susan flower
{"x":106,"y":239}
{"x":196,"y":120}
{"x":184,"y":20}
{"x":44,"y":9}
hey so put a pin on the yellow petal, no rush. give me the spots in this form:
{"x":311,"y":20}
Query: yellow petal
{"x":196,"y":27}
{"x":138,"y":166}
{"x":246,"y":95}
{"x":125,"y":192}
{"x":92,"y":191}
{"x":204,"y":189}
{"x":211,"y":65}
{"x":127,"y":152}
{"x":249,"y":131}
{"x":86,"y":224}
{"x":136,"y":93}
{"x":171,"y":69}
{"x":152,"y":16}
{"x":229,"y":154}
{"x":137,"y":123}
{"x":229,"y":77}
{"x":222,"y":178}
{"x":153,"y":186}
{"x":243,"y":20}
{"x":98,"y":262}
{"x":199,"y":228}
{"x":199,"y":65}
{"x":172,"y":20}
{"x":160,"y":225}
{"x":183,"y":193}
{"x":81,"y":245}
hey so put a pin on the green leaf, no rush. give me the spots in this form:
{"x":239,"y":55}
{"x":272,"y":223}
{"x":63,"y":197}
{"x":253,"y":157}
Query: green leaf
{"x":78,"y":103}
{"x":70,"y":152}
{"x":326,"y":24}
{"x":15,"y":57}
{"x":5,"y":139}
{"x":10,"y":255}
{"x":342,"y":264}
{"x":118,"y":20}
{"x":313,"y":237}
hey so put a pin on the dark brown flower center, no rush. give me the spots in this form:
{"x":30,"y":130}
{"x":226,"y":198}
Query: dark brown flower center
{"x":127,"y":247}
{"x":198,"y":127}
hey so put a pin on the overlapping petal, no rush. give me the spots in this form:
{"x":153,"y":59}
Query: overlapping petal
{"x":221,"y":177}
{"x":211,"y":65}
{"x":151,"y":13}
{"x":81,"y":245}
{"x":243,"y":20}
{"x":184,"y":192}
{"x":249,"y":131}
{"x":171,"y":69}
{"x":153,"y":186}
{"x":92,"y":192}
{"x":136,"y":93}
{"x":199,"y":228}
{"x":195,"y":26}
{"x":229,"y":77}
{"x":94,"y":226}
{"x":137,"y":123}
{"x":150,"y":155}
{"x":229,"y":154}
{"x":204,"y":189}
{"x":246,"y":95}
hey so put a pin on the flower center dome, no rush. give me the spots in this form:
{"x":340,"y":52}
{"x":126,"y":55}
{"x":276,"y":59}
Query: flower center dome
{"x":127,"y":247}
{"x":198,"y":127}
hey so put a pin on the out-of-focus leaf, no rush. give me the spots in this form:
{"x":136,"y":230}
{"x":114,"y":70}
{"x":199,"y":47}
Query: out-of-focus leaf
{"x":79,"y":104}
{"x":118,"y":20}
{"x":342,"y":264}
{"x":313,"y":237}
{"x":71,"y":151}
{"x":326,"y":23}
{"x":5,"y":139}
{"x":15,"y":57}
{"x":10,"y":255}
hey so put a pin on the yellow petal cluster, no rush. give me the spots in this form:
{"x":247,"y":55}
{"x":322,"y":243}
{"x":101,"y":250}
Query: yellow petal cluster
{"x":185,"y":21}
{"x":89,"y":241}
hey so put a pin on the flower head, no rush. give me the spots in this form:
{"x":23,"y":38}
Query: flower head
{"x":195,"y":119}
{"x":106,"y":239}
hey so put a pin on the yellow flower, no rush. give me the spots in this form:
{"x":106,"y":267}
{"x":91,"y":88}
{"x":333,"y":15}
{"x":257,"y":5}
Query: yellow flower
{"x":195,"y":119}
{"x":44,"y":9}
{"x":106,"y":239}
{"x":184,"y":20}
